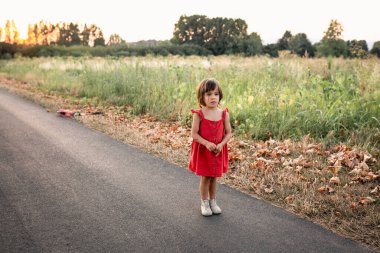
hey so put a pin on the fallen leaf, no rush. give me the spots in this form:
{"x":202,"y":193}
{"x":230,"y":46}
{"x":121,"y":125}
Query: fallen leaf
{"x":338,"y":163}
{"x":348,"y":163}
{"x":242,"y":144}
{"x":366,"y":200}
{"x":363,"y":166}
{"x":375,"y":190}
{"x":334,"y":180}
{"x":355,"y":172}
{"x":335,"y":169}
{"x":175,"y":145}
{"x":262,"y":152}
{"x":258,"y":164}
{"x":306,"y":164}
{"x":331,"y":190}
{"x":289,"y":199}
{"x":268,"y":190}
{"x":366,"y":157}
{"x":371,"y":176}
{"x":325,"y":189}
{"x":287,"y":163}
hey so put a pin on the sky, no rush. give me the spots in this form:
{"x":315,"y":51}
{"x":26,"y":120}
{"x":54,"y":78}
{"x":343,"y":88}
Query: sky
{"x":155,"y":19}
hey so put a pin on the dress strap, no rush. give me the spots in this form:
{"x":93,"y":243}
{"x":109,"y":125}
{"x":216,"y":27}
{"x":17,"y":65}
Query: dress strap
{"x":199,"y":112}
{"x":224,"y":113}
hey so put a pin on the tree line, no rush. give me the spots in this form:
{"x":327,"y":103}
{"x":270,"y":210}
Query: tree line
{"x":63,"y":34}
{"x":196,"y":34}
{"x":229,"y":36}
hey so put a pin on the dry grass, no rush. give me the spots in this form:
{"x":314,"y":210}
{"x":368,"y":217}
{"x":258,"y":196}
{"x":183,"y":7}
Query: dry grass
{"x":300,"y":177}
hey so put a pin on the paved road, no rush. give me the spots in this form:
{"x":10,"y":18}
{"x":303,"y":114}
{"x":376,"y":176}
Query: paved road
{"x":66,"y":188}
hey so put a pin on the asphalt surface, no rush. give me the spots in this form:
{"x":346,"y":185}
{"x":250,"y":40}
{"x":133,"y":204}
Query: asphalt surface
{"x":66,"y":188}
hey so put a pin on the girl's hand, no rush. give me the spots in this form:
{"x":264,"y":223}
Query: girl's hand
{"x":210,"y":146}
{"x":218,"y":149}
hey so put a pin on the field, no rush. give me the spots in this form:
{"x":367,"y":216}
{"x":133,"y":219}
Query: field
{"x":307,"y":131}
{"x":330,"y":99}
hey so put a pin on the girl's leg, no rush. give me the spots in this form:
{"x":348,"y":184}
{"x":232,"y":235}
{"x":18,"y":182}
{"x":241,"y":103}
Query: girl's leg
{"x":212,"y":188}
{"x":204,"y":186}
{"x":212,"y":191}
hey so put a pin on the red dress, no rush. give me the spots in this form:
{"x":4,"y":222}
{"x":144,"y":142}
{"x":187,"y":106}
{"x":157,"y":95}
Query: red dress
{"x":202,"y":161}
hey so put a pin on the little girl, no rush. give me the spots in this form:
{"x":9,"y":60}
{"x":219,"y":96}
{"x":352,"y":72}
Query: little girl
{"x":211,"y":130}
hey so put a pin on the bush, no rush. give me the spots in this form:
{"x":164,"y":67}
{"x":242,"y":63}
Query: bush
{"x":376,"y":49}
{"x":7,"y":51}
{"x":332,"y":47}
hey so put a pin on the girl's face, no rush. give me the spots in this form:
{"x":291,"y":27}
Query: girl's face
{"x":211,"y":98}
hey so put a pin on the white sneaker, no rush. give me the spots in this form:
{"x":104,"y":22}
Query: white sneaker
{"x":205,"y":207}
{"x":214,"y":207}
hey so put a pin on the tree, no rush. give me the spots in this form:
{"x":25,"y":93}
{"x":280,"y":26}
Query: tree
{"x":44,"y":33}
{"x":96,"y":36}
{"x":85,"y":34}
{"x":37,"y":33}
{"x":99,"y":40}
{"x":31,"y":39}
{"x":250,"y":45}
{"x":357,"y":48}
{"x":376,"y":49}
{"x":115,"y":39}
{"x":300,"y":45}
{"x":283,"y":43}
{"x":334,"y":31}
{"x":11,"y":32}
{"x":7,"y":31}
{"x":69,"y":34}
{"x":53,"y":34}
{"x":74,"y":33}
{"x":16,"y":33}
{"x":332,"y":48}
{"x":190,"y":30}
{"x":64,"y":35}
{"x":332,"y":43}
{"x":224,"y":35}
{"x":219,"y":35}
{"x":270,"y":50}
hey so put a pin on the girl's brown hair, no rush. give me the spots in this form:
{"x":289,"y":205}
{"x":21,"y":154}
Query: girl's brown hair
{"x":205,"y":86}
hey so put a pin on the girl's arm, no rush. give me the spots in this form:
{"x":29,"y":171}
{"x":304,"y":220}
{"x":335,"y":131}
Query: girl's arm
{"x":194,"y":133}
{"x":228,"y":133}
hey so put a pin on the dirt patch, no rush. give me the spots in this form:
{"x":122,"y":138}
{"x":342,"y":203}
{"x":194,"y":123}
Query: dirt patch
{"x":337,"y":187}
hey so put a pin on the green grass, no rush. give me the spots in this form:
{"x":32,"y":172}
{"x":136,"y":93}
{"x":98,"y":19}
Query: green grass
{"x":330,"y":99}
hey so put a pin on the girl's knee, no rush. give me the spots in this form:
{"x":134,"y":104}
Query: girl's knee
{"x":207,"y":180}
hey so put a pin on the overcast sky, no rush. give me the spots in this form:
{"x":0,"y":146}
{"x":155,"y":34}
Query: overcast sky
{"x":149,"y":19}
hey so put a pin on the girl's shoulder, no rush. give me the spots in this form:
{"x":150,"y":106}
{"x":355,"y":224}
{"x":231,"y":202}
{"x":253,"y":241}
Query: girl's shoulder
{"x":198,"y":112}
{"x":224,"y":113}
